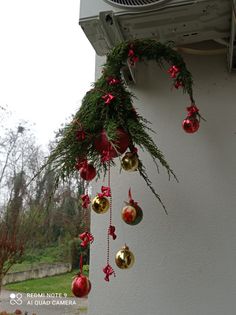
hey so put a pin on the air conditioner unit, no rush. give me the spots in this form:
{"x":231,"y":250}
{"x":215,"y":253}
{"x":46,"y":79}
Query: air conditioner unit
{"x":108,"y":22}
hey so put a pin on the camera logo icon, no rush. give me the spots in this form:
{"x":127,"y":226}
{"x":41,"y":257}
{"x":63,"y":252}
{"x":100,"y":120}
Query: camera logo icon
{"x":16,"y":299}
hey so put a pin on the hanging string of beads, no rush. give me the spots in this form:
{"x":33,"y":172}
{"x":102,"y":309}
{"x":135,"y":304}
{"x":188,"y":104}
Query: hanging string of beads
{"x":108,"y":270}
{"x":86,"y":237}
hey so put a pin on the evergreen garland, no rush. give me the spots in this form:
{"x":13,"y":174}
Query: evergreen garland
{"x":76,"y":139}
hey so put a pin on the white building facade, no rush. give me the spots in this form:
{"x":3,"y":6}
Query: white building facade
{"x":186,"y":261}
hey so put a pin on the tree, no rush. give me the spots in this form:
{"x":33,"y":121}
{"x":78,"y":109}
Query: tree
{"x":38,"y":212}
{"x":11,"y":236}
{"x":17,"y":153}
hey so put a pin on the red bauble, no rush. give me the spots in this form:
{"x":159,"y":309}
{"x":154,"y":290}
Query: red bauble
{"x":129,"y":214}
{"x":81,"y":286}
{"x":103,"y":145}
{"x":190,"y":125}
{"x":132,"y":214}
{"x":87,"y":172}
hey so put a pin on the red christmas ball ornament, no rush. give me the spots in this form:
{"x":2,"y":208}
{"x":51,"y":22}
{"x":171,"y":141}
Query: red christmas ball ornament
{"x":128,"y":214}
{"x":119,"y":146}
{"x":81,"y":286}
{"x":132,"y":214}
{"x":190,"y":125}
{"x":87,"y":172}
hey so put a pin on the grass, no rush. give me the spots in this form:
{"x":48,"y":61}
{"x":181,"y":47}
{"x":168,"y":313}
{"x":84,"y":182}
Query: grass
{"x":34,"y":258}
{"x":55,"y":284}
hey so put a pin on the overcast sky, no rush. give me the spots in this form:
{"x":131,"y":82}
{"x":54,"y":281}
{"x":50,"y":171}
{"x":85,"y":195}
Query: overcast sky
{"x":46,"y":62}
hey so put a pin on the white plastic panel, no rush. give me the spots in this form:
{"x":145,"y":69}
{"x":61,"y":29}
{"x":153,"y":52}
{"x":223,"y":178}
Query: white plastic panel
{"x":180,"y":21}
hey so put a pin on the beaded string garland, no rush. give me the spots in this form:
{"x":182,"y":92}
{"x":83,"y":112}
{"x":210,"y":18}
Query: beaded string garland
{"x":107,"y":125}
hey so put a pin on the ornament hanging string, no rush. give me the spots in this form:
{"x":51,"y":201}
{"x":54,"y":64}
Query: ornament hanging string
{"x":81,"y":264}
{"x":111,"y":229}
{"x":108,"y":270}
{"x":131,"y":200}
{"x":86,"y":237}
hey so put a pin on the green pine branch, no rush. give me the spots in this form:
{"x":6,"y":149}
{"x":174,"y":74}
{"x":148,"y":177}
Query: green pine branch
{"x":94,"y":115}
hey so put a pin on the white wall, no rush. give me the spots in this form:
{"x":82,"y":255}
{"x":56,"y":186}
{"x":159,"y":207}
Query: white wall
{"x":186,"y":261}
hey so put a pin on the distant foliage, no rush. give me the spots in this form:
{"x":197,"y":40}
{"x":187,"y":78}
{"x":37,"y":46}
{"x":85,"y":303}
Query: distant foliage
{"x":33,"y":214}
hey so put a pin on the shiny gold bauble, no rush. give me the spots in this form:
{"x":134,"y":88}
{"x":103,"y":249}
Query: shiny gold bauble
{"x":100,"y":204}
{"x":130,"y":162}
{"x":124,"y":258}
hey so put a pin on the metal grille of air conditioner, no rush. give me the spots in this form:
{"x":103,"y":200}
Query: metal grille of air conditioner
{"x":135,"y":3}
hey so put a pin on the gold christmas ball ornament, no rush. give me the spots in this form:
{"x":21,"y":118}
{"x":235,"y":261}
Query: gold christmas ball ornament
{"x":130,"y":162}
{"x":124,"y":258}
{"x":100,"y":204}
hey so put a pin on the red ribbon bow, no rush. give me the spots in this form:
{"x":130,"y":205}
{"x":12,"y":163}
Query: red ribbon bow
{"x":85,"y":201}
{"x":113,"y":81}
{"x":105,"y":192}
{"x":108,"y":98}
{"x":192,"y":111}
{"x":106,"y":156}
{"x":86,"y":238}
{"x":178,"y":84}
{"x":131,"y":201}
{"x":131,"y":53}
{"x":111,"y":231}
{"x":132,"y":57}
{"x":81,"y":163}
{"x":108,"y":270}
{"x":173,"y":70}
{"x":81,"y":135}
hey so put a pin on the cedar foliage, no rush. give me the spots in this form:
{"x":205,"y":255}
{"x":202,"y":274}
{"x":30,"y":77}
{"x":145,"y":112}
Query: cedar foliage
{"x":94,"y":115}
